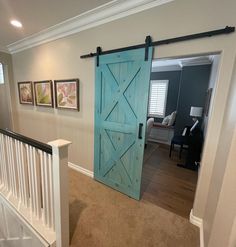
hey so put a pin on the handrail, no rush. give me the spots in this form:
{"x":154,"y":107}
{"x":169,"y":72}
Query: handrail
{"x":39,"y":145}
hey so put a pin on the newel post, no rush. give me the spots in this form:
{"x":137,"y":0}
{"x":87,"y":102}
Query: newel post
{"x":60,"y":188}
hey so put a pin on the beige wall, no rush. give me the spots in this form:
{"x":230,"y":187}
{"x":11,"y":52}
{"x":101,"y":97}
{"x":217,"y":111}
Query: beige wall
{"x":221,"y":204}
{"x":6,"y":120}
{"x":60,"y":59}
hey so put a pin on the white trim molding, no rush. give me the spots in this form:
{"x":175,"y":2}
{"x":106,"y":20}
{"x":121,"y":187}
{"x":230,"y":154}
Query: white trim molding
{"x":105,"y":13}
{"x":81,"y":170}
{"x":178,"y":64}
{"x":196,"y":61}
{"x":199,"y":223}
{"x":167,"y":68}
{"x":4,"y":49}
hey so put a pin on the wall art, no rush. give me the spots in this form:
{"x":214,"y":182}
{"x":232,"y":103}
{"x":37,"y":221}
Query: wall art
{"x":25,"y":90}
{"x":67,"y":94}
{"x":43,"y":93}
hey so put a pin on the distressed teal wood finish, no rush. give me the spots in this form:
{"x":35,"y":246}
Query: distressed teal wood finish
{"x":121,"y":96}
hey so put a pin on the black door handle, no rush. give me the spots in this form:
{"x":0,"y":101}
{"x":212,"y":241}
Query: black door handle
{"x":140,"y":131}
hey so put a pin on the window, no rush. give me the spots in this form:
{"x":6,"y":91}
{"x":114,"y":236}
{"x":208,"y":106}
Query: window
{"x":1,"y":74}
{"x":157,"y":98}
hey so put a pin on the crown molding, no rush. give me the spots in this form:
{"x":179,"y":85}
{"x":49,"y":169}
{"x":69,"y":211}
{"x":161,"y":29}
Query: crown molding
{"x":178,"y":64}
{"x":167,"y":68}
{"x":196,"y":62}
{"x":4,"y":49}
{"x":108,"y":12}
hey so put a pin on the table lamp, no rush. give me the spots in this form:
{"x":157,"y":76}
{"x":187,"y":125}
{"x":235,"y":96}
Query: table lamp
{"x":195,"y":113}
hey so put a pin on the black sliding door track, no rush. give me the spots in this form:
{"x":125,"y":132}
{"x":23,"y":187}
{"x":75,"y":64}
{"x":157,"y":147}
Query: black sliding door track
{"x":226,"y":30}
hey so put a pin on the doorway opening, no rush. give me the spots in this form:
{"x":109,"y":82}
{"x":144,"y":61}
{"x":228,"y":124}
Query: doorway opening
{"x":180,"y":100}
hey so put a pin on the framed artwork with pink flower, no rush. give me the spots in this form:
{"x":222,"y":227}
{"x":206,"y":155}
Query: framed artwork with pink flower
{"x":43,"y":93}
{"x":26,"y":93}
{"x":67,"y":94}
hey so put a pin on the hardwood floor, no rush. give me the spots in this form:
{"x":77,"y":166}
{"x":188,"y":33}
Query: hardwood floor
{"x":165,"y":184}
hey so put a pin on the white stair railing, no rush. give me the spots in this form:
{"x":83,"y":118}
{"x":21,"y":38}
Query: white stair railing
{"x":34,"y":181}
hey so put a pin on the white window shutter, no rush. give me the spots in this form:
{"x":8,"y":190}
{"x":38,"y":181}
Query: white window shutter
{"x":158,"y":98}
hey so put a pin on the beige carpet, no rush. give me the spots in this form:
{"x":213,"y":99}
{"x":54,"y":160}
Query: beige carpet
{"x":102,"y":217}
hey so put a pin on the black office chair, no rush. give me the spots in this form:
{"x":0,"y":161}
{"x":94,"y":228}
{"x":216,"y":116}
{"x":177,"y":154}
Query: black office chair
{"x":180,"y":140}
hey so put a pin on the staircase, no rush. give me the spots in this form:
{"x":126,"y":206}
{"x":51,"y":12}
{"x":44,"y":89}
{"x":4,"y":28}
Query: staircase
{"x":34,"y":206}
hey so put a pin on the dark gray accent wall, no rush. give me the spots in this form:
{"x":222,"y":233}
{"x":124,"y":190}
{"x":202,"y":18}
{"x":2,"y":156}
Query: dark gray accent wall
{"x":193,"y":86}
{"x":173,"y":89}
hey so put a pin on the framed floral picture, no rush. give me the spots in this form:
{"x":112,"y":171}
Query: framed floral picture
{"x":43,"y":93}
{"x":67,"y":94}
{"x":26,"y":93}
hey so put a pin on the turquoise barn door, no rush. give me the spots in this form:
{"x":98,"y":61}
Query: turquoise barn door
{"x":121,"y":98}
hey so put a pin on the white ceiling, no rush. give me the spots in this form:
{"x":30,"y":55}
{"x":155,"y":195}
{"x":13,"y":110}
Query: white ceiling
{"x":37,"y":15}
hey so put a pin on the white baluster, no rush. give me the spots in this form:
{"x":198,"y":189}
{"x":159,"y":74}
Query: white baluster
{"x":24,"y":175}
{"x":35,"y":183}
{"x":29,"y":162}
{"x":51,"y":192}
{"x":14,"y":175}
{"x":11,"y":174}
{"x":6,"y":156}
{"x":44,"y":216}
{"x":36,"y":175}
{"x":47,"y":204}
{"x":4,"y":163}
{"x":8,"y":167}
{"x":19,"y":170}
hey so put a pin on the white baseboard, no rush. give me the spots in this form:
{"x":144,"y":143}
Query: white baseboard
{"x":199,"y":223}
{"x":81,"y":169}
